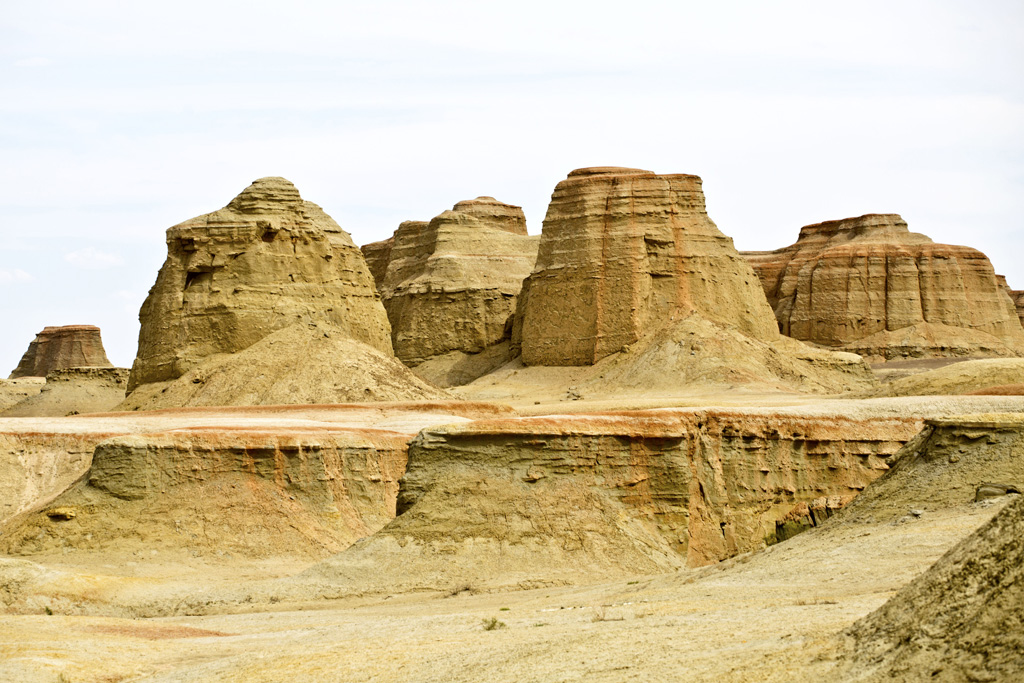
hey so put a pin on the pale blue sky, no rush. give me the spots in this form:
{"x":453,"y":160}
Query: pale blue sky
{"x":118,"y":120}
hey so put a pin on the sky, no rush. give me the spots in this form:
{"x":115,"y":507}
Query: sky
{"x":121,"y":119}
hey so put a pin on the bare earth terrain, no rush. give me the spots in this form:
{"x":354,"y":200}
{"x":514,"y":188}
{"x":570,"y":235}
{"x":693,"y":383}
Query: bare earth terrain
{"x":193,"y":611}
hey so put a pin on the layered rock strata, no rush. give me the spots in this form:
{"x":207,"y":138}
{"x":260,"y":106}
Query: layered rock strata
{"x":41,"y":458}
{"x":450,"y":285}
{"x":266,"y":261}
{"x":871,"y":286}
{"x":59,"y":348}
{"x":254,"y":492}
{"x":622,"y":251}
{"x":542,"y":501}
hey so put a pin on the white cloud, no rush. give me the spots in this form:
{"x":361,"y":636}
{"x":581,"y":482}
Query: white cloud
{"x":93,"y":259}
{"x":15,"y":275}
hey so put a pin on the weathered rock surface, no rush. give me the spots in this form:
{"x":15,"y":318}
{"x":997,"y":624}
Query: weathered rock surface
{"x":285,"y":480}
{"x":259,"y":491}
{"x":58,"y":348}
{"x":266,"y":261}
{"x":302,"y":363}
{"x":542,"y":501}
{"x":871,"y":286}
{"x":451,"y":284}
{"x":1017,"y":295}
{"x":38,"y":465}
{"x":73,"y":391}
{"x":41,"y":458}
{"x":971,"y":376}
{"x":13,"y":391}
{"x":622,"y":251}
{"x":960,"y":620}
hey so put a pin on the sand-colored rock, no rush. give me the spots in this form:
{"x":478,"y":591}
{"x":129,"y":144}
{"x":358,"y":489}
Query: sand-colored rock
{"x":694,"y":355}
{"x":971,"y":376}
{"x":960,"y":620}
{"x":300,"y":481}
{"x":622,"y":250}
{"x":59,"y":348}
{"x":38,"y":465}
{"x":451,"y":284}
{"x":256,"y":492}
{"x":41,"y":457}
{"x":544,"y":501}
{"x":13,"y":391}
{"x":302,"y":363}
{"x":1018,"y":301}
{"x":73,"y":391}
{"x":267,"y":260}
{"x":871,"y":286}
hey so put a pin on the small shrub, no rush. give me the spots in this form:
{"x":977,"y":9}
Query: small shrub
{"x":459,"y":589}
{"x":493,"y":624}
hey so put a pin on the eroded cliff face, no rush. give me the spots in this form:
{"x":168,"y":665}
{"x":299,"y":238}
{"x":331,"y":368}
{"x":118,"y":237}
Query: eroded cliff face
{"x":871,"y":286}
{"x":59,"y":348}
{"x":251,"y":491}
{"x":451,"y":284}
{"x":266,"y":261}
{"x":622,"y":251}
{"x":38,"y":465}
{"x":711,"y":484}
{"x":544,"y":501}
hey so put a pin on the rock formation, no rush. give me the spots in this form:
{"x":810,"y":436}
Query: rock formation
{"x":74,"y":391}
{"x":871,"y":286}
{"x":450,"y":285}
{"x":259,"y":481}
{"x":961,"y":619}
{"x":622,"y":251}
{"x":58,"y":348}
{"x":267,"y":260}
{"x":14,"y":391}
{"x":1017,"y":296}
{"x":250,"y":491}
{"x":549,"y":500}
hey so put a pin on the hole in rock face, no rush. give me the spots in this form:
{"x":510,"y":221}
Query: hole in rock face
{"x":193,"y":278}
{"x":268,"y":235}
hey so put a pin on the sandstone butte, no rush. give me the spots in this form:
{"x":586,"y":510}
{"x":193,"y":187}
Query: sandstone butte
{"x":60,"y":348}
{"x":871,"y":286}
{"x":266,"y":261}
{"x":622,"y":251}
{"x":450,"y":285}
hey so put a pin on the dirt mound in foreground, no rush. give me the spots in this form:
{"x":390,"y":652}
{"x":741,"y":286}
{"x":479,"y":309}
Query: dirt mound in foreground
{"x":304,"y":363}
{"x":960,"y":378}
{"x":695,"y":353}
{"x":961,"y":620}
